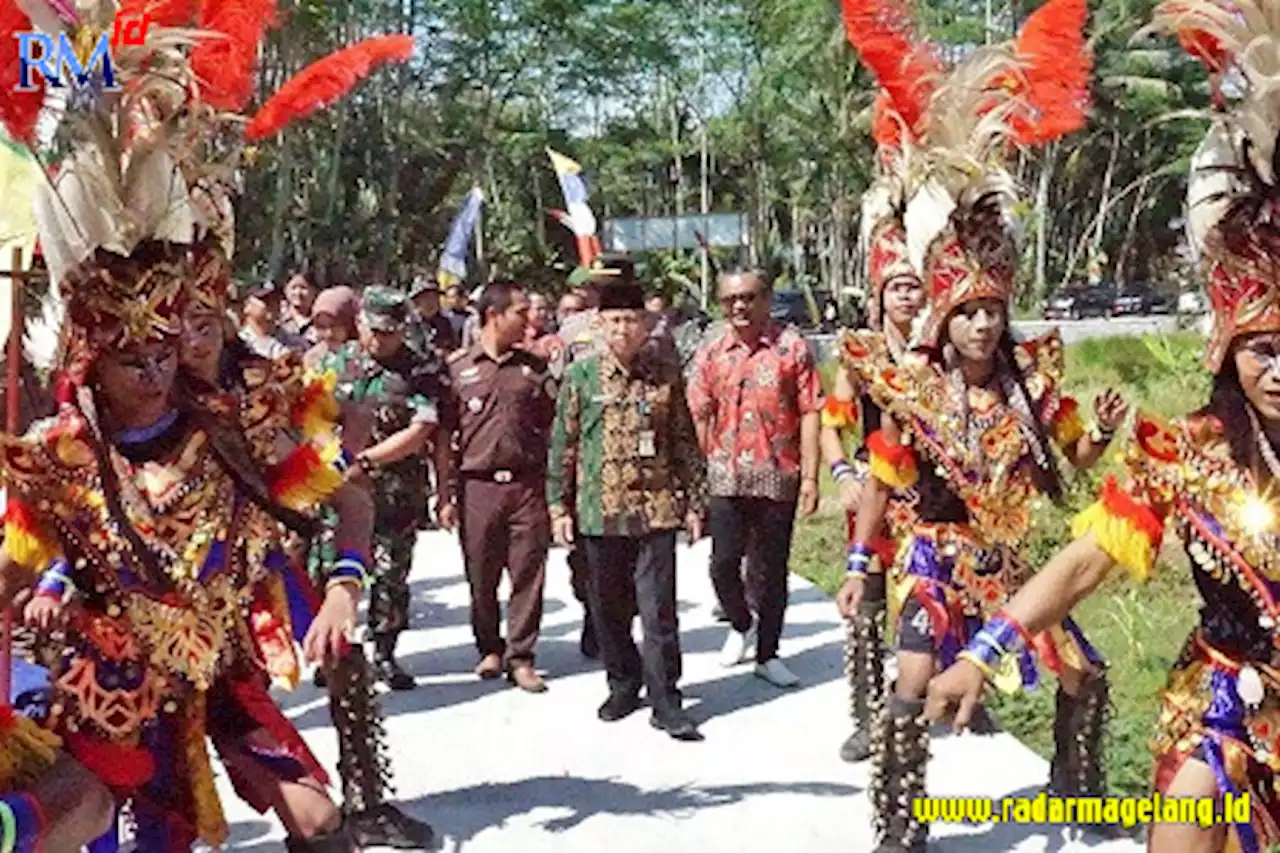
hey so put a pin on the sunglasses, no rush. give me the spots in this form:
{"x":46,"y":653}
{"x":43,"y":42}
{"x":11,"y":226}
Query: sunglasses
{"x":734,"y":298}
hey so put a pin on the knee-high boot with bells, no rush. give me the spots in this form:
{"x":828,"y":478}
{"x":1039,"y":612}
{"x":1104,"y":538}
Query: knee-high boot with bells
{"x":900,"y":757}
{"x":363,"y":763}
{"x":1079,"y":768}
{"x":864,"y":673}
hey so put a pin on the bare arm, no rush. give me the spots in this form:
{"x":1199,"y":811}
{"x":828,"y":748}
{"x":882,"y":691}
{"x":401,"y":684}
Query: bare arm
{"x":354,"y":508}
{"x":810,"y":427}
{"x":1084,"y":453}
{"x":1067,"y":579}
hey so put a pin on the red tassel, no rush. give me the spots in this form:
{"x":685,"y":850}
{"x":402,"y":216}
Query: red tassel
{"x":19,"y":111}
{"x":161,"y":13}
{"x":324,"y":81}
{"x":882,"y":33}
{"x":225,"y":64}
{"x":1056,"y":67}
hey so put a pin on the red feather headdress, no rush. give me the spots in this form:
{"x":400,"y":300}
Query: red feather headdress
{"x":325,"y":81}
{"x":882,"y":31}
{"x":225,"y":64}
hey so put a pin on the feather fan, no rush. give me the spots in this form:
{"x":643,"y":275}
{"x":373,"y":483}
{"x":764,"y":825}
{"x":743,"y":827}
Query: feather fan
{"x":1056,"y":66}
{"x":19,"y":111}
{"x":225,"y":62}
{"x":324,"y":81}
{"x":882,"y":33}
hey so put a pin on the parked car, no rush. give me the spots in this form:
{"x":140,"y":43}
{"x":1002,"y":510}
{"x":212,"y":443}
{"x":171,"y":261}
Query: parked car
{"x":1139,"y":298}
{"x":1078,"y":303}
{"x":1192,"y":302}
{"x":790,"y":307}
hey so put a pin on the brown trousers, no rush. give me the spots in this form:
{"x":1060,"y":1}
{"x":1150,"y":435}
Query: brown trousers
{"x":505,"y":526}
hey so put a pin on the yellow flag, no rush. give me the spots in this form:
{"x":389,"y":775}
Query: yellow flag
{"x":562,"y":164}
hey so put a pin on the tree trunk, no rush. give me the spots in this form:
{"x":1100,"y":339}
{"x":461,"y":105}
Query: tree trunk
{"x":1105,"y":201}
{"x":1043,"y":219}
{"x":1131,"y":231}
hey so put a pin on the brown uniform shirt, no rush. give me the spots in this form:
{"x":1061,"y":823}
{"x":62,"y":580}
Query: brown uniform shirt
{"x":505,"y":409}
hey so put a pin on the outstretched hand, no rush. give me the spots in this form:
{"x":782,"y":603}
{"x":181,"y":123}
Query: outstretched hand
{"x":1110,"y":408}
{"x":960,"y":687}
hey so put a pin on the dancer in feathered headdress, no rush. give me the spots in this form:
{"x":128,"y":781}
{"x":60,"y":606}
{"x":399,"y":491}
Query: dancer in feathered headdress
{"x":1213,"y":474}
{"x":162,"y":511}
{"x":882,"y":34}
{"x":971,"y":420}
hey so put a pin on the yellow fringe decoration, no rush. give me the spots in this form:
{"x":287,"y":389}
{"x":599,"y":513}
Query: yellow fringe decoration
{"x":903,"y":477}
{"x":211,"y":824}
{"x":1119,"y":537}
{"x":317,"y":412}
{"x":1068,"y":430}
{"x":26,"y":751}
{"x":24,"y":539}
{"x":310,"y":475}
{"x":839,"y":414}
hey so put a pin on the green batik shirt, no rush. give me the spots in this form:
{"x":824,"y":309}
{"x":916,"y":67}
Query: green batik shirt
{"x":403,"y":391}
{"x":624,"y":458}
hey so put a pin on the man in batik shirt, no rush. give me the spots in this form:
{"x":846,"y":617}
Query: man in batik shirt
{"x":756,"y":400}
{"x":624,"y":474}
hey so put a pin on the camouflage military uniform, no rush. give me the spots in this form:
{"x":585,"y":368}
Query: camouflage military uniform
{"x":398,"y":393}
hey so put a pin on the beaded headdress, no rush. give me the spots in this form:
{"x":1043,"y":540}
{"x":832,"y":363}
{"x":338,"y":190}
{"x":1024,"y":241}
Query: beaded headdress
{"x":961,"y":234}
{"x":1233,"y":193}
{"x":137,"y":220}
{"x":883,"y":34}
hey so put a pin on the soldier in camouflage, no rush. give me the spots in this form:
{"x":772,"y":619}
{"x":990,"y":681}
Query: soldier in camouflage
{"x":403,"y":392}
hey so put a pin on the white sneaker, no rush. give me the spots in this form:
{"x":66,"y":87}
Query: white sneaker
{"x":776,"y":673}
{"x":739,"y":647}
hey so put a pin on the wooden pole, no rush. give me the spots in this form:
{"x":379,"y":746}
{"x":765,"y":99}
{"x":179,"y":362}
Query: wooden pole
{"x":13,"y":389}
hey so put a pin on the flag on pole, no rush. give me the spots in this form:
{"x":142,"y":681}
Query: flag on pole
{"x":453,"y":260}
{"x":580,"y":220}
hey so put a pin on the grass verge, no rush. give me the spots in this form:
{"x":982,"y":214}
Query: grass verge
{"x":1139,"y":629}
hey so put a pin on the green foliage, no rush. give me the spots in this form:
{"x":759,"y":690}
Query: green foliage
{"x":1139,"y":630}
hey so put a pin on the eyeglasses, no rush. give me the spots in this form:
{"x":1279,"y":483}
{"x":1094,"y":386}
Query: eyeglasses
{"x":734,"y":298}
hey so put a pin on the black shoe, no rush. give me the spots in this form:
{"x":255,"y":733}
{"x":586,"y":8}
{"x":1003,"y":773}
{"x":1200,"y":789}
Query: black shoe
{"x":677,"y":724}
{"x":320,"y":679}
{"x":618,"y":706}
{"x":857,"y":747}
{"x":393,"y":676}
{"x":387,"y":826}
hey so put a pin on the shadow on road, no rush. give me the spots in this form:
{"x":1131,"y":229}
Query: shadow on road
{"x":463,"y":814}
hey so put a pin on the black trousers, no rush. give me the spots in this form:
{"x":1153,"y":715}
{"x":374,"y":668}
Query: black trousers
{"x":760,"y":529}
{"x":630,"y":574}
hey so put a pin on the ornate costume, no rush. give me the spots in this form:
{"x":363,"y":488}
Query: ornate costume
{"x":1212,"y":474}
{"x":171,"y":536}
{"x":976,"y":457}
{"x":896,"y":129}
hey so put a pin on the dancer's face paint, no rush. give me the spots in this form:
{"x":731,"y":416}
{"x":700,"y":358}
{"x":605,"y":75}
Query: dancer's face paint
{"x":903,"y":299}
{"x":1258,"y":365}
{"x":975,"y":329}
{"x":137,"y":381}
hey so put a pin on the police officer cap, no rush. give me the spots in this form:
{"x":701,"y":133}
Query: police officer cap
{"x":383,"y":309}
{"x":612,"y":268}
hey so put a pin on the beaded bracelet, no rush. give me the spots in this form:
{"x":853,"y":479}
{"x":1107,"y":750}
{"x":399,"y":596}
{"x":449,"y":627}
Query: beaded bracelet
{"x":859,"y":559}
{"x":349,"y":568}
{"x":841,"y":470}
{"x":1002,"y":635}
{"x":22,"y":823}
{"x":56,"y":582}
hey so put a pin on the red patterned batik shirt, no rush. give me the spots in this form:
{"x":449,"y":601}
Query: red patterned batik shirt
{"x":751,"y":399}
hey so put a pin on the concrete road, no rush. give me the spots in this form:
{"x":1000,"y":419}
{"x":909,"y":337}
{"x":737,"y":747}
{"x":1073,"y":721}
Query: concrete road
{"x":497,"y":770}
